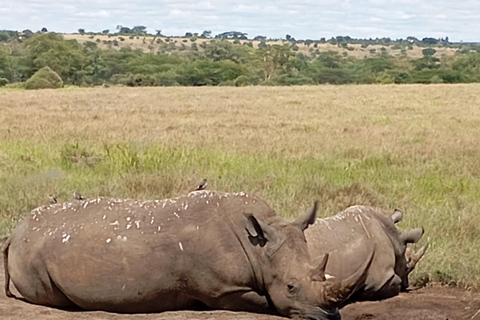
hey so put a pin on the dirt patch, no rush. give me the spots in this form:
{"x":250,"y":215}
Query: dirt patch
{"x":433,"y":303}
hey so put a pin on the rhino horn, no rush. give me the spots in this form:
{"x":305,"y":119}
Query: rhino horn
{"x":319,"y":272}
{"x":336,"y":293}
{"x":412,"y":236}
{"x":397,"y":216}
{"x":414,"y":257}
{"x":308,"y":217}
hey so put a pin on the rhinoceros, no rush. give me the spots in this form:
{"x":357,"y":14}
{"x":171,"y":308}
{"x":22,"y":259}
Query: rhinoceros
{"x":205,"y":249}
{"x":348,"y":237}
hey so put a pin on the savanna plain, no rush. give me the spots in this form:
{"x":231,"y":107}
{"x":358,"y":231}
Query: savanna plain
{"x":411,"y":147}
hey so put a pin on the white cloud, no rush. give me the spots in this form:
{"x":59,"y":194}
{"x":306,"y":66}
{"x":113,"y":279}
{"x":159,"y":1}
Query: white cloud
{"x":302,"y":18}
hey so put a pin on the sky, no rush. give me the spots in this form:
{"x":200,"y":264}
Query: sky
{"x":302,"y":19}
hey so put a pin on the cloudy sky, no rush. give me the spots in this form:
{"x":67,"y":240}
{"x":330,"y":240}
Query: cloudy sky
{"x":303,"y":19}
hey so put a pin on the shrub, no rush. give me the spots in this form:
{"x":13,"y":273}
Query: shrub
{"x":384,"y":78}
{"x":3,"y":82}
{"x":241,"y":81}
{"x":228,"y":83}
{"x":293,"y":80}
{"x":268,"y":83}
{"x":428,"y":52}
{"x":134,"y":80}
{"x":436,"y":79}
{"x":44,"y":78}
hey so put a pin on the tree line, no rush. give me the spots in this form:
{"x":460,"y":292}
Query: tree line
{"x":218,"y":61}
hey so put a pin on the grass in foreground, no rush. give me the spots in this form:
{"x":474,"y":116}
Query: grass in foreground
{"x":407,"y":147}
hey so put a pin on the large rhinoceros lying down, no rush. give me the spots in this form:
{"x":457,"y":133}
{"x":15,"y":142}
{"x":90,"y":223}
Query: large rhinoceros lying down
{"x":206,"y":249}
{"x":348,"y":238}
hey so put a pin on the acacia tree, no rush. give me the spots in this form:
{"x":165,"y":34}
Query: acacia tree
{"x":273,"y":59}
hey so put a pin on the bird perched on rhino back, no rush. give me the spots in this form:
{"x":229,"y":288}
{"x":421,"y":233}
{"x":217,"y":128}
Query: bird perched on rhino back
{"x":78,"y":196}
{"x":202,"y":185}
{"x":52,"y":199}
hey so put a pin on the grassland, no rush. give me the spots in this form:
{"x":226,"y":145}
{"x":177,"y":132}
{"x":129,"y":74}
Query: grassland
{"x":410,"y":147}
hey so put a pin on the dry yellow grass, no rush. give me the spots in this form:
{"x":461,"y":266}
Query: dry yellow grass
{"x":146,"y":44}
{"x":411,"y":120}
{"x":414,"y":147}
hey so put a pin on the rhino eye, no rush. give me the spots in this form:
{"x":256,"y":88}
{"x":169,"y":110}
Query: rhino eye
{"x":292,"y":288}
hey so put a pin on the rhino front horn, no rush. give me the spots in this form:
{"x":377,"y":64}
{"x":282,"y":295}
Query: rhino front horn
{"x":414,"y":257}
{"x":336,"y":293}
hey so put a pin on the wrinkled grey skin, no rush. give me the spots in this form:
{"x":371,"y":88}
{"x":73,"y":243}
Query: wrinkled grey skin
{"x":348,"y":237}
{"x":206,"y":249}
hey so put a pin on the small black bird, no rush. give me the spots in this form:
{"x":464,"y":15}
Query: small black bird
{"x":77,"y":195}
{"x":52,"y":199}
{"x":202,"y":185}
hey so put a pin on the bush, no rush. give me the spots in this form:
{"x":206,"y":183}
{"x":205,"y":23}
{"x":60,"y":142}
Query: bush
{"x":293,"y":80}
{"x":268,"y":83}
{"x":3,"y":82}
{"x":134,"y":80}
{"x":166,"y":79}
{"x":428,"y":52}
{"x":44,"y":78}
{"x":228,"y":83}
{"x":384,"y":78}
{"x":241,"y":81}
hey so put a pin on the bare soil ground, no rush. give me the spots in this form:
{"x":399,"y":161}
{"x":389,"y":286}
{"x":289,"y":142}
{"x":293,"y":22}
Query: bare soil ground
{"x":433,"y":303}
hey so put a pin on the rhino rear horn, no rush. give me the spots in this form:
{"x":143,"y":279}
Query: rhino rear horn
{"x":412,"y":236}
{"x":319,"y":272}
{"x":335,"y":294}
{"x":397,"y":216}
{"x":308,"y":217}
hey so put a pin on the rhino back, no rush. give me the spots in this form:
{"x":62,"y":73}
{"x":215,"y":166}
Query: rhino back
{"x":107,"y":253}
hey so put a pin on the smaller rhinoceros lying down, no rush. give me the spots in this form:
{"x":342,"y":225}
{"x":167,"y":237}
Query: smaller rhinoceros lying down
{"x":206,"y":249}
{"x":348,"y":237}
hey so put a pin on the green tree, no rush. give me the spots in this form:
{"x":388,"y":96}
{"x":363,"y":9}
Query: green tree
{"x":428,"y":62}
{"x":64,"y":57}
{"x":273,"y":59}
{"x":4,"y":62}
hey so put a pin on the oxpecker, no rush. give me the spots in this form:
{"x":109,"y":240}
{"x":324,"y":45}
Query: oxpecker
{"x":52,"y":199}
{"x":77,"y":195}
{"x":203,"y":185}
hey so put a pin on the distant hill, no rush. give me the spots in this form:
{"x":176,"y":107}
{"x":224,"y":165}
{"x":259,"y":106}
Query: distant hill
{"x":162,"y":44}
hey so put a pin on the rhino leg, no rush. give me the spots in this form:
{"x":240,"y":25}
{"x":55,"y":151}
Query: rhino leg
{"x":32,"y":280}
{"x":249,"y":301}
{"x":5,"y":248}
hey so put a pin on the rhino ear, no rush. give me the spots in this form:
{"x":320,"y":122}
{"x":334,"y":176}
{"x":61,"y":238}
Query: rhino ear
{"x":397,"y":216}
{"x":335,"y":294}
{"x":308,"y":217}
{"x":412,"y":236}
{"x":319,"y":272}
{"x":259,"y":232}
